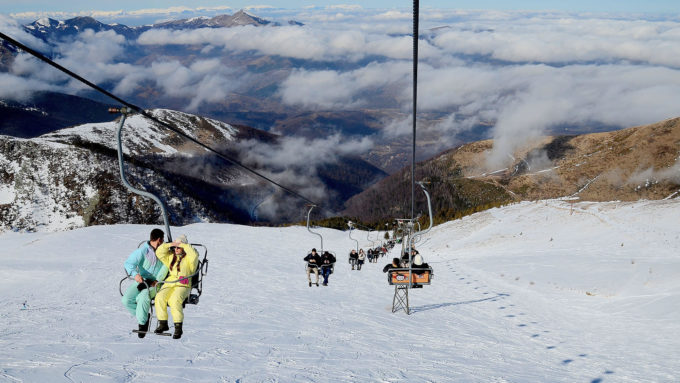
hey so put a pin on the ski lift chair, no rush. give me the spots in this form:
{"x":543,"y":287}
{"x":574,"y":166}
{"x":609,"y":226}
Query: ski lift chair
{"x":404,"y":279}
{"x":196,"y":288}
{"x":307,"y":264}
{"x":406,"y":276}
{"x":309,"y":212}
{"x":196,"y":281}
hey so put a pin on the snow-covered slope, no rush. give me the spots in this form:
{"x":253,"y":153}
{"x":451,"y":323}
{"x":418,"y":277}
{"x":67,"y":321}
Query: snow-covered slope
{"x":533,"y":292}
{"x":141,"y":135}
{"x":70,"y":178}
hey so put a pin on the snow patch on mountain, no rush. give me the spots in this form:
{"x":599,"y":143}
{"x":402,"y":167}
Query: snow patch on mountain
{"x":141,"y":135}
{"x":6,"y":194}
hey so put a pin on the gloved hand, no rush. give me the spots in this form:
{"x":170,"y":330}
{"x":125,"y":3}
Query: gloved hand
{"x":149,"y":282}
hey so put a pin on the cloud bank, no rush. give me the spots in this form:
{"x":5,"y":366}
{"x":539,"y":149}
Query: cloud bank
{"x":523,"y":73}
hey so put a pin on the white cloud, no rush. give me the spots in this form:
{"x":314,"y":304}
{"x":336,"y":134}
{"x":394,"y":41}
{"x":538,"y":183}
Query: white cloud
{"x":296,"y":42}
{"x":202,"y":81}
{"x":303,"y":153}
{"x":324,"y":89}
{"x":95,"y":57}
{"x":91,"y":48}
{"x":340,"y":90}
{"x":19,"y":88}
{"x":394,"y":15}
{"x":399,"y":127}
{"x":297,"y":161}
{"x":258,"y":7}
{"x":284,"y":41}
{"x":160,"y":11}
{"x":652,"y":175}
{"x":566,"y":40}
{"x":346,"y":7}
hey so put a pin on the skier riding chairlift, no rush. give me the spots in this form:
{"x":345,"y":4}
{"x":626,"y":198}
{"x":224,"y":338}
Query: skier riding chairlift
{"x":196,"y":278}
{"x":307,"y":264}
{"x":202,"y":266}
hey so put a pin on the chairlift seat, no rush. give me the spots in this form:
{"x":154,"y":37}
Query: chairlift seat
{"x":401,"y":276}
{"x":331,"y":265}
{"x":311,"y":265}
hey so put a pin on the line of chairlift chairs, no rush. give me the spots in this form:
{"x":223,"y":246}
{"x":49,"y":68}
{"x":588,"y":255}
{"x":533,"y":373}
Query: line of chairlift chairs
{"x":405,"y":277}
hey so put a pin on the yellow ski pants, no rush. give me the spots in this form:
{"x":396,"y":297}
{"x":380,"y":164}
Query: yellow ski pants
{"x":172,"y":296}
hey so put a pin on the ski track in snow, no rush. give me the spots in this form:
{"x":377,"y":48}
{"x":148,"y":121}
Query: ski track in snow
{"x":533,"y":292}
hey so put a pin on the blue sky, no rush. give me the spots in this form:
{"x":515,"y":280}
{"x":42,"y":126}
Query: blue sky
{"x":650,"y":6}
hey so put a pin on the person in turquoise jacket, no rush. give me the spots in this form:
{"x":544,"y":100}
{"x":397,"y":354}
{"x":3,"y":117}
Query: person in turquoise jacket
{"x":146,"y":269}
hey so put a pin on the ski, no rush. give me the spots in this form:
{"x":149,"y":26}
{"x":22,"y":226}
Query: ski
{"x":151,"y":332}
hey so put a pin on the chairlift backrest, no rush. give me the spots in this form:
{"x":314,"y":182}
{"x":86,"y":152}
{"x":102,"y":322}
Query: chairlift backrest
{"x":197,"y":278}
{"x":401,"y":276}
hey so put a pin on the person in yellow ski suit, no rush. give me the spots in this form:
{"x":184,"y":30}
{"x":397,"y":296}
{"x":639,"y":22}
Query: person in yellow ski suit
{"x":182,"y":261}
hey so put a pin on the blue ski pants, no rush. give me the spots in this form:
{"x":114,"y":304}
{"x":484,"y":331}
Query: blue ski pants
{"x":326,"y":272}
{"x":138,"y":302}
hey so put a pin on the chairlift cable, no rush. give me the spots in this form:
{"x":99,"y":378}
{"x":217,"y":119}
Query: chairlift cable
{"x":142,"y":112}
{"x":416,"y":12}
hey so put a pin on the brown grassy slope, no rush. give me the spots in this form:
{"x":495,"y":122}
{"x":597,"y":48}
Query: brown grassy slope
{"x":630,"y":164}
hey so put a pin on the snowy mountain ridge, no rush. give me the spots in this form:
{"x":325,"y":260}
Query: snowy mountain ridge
{"x":51,"y":29}
{"x":140,"y":135}
{"x":70,"y":178}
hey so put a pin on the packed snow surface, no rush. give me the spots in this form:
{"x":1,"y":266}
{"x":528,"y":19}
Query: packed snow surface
{"x":544,"y":291}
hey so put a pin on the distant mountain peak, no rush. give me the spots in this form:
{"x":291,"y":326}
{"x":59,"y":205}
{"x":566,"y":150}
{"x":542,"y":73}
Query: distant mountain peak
{"x":46,"y":22}
{"x":239,"y":18}
{"x":49,"y":29}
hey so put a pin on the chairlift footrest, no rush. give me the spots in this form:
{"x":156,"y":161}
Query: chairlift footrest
{"x":151,"y":332}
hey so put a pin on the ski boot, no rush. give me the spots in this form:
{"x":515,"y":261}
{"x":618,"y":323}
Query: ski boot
{"x":143,"y":328}
{"x":178,"y":331}
{"x":162,"y":327}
